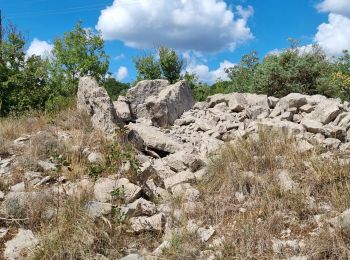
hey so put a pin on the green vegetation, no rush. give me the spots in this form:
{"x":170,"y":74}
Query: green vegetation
{"x":169,"y":65}
{"x":50,"y":83}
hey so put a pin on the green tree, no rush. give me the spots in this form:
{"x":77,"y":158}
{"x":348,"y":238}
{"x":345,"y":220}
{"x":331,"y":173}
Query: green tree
{"x":242,"y":75}
{"x":80,"y":53}
{"x":115,"y":88}
{"x":170,"y":63}
{"x":147,"y":67}
{"x":168,"y":66}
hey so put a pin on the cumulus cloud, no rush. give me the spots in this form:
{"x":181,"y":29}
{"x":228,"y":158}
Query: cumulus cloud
{"x":39,"y":48}
{"x":210,"y":76}
{"x":335,"y":6}
{"x":334,"y":36}
{"x":201,"y":25}
{"x":122,"y":73}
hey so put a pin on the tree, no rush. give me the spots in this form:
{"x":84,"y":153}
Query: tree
{"x":168,"y":66}
{"x":171,"y":64}
{"x":115,"y":88}
{"x":147,"y":67}
{"x":80,"y":53}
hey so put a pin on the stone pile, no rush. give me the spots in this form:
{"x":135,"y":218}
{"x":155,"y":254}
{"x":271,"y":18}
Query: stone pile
{"x":174,"y":136}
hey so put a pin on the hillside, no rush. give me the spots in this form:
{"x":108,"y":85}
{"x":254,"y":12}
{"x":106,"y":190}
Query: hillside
{"x":155,"y":175}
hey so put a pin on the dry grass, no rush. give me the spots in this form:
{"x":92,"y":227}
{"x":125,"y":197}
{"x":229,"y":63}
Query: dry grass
{"x":242,"y":197}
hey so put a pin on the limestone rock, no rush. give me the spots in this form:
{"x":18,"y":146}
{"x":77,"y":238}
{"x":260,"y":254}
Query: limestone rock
{"x":122,"y":109}
{"x":164,"y":108}
{"x":153,"y":223}
{"x":292,"y":100}
{"x":341,"y":221}
{"x":96,"y":209}
{"x":95,"y":101}
{"x":21,"y":245}
{"x":312,"y":126}
{"x":153,"y":138}
{"x":104,"y":187}
{"x":137,"y":95}
{"x":326,"y":111}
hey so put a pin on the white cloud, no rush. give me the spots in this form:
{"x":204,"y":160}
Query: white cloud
{"x":122,"y":73}
{"x":40,"y":48}
{"x":335,"y":6}
{"x":207,"y":75}
{"x":120,"y":56}
{"x":334,"y":36}
{"x":201,"y":25}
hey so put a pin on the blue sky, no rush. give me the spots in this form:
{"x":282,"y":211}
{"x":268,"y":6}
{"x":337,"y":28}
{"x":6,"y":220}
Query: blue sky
{"x":210,"y":34}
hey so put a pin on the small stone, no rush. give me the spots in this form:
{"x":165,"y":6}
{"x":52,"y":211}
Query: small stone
{"x":18,"y":187}
{"x":95,"y":157}
{"x":285,"y":182}
{"x":132,"y":257}
{"x":98,"y":209}
{"x":205,"y":233}
{"x":153,"y":223}
{"x":47,"y":166}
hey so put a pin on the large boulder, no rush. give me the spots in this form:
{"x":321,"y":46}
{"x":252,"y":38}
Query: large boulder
{"x":164,"y":108}
{"x":326,"y":111}
{"x":148,"y":137}
{"x":95,"y":101}
{"x":137,"y":95}
{"x":122,"y":108}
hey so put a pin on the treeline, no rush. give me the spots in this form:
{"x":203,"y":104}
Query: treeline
{"x":50,"y":83}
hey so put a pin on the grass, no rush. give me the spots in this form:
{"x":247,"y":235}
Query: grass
{"x":243,"y":199}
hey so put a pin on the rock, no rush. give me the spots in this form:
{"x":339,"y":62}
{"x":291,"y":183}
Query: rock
{"x":22,"y":140}
{"x":95,"y":101}
{"x":47,"y":166}
{"x":341,"y":221}
{"x":21,"y":245}
{"x":331,"y":143}
{"x":304,"y":146}
{"x":3,"y":232}
{"x":95,"y":157}
{"x":43,"y":181}
{"x":185,"y":190}
{"x":18,"y":187}
{"x":153,"y":223}
{"x":97,"y":209}
{"x":159,"y":250}
{"x":285,"y":182}
{"x":170,"y":103}
{"x":334,"y":132}
{"x":284,"y":127}
{"x":157,"y":192}
{"x":205,"y":233}
{"x":292,"y":100}
{"x":326,"y":111}
{"x":137,"y":95}
{"x":178,"y":178}
{"x":153,"y":138}
{"x":104,"y":187}
{"x":122,"y":109}
{"x":312,"y":126}
{"x":279,"y":245}
{"x":272,"y":102}
{"x":2,"y":195}
{"x":307,"y":108}
{"x":133,"y":257}
{"x":142,"y":207}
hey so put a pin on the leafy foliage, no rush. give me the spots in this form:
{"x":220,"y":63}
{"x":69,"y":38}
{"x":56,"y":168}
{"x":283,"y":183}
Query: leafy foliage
{"x":168,"y":66}
{"x":115,"y":88}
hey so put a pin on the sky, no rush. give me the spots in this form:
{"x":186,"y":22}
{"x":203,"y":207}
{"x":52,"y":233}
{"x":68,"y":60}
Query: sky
{"x":210,"y":35}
